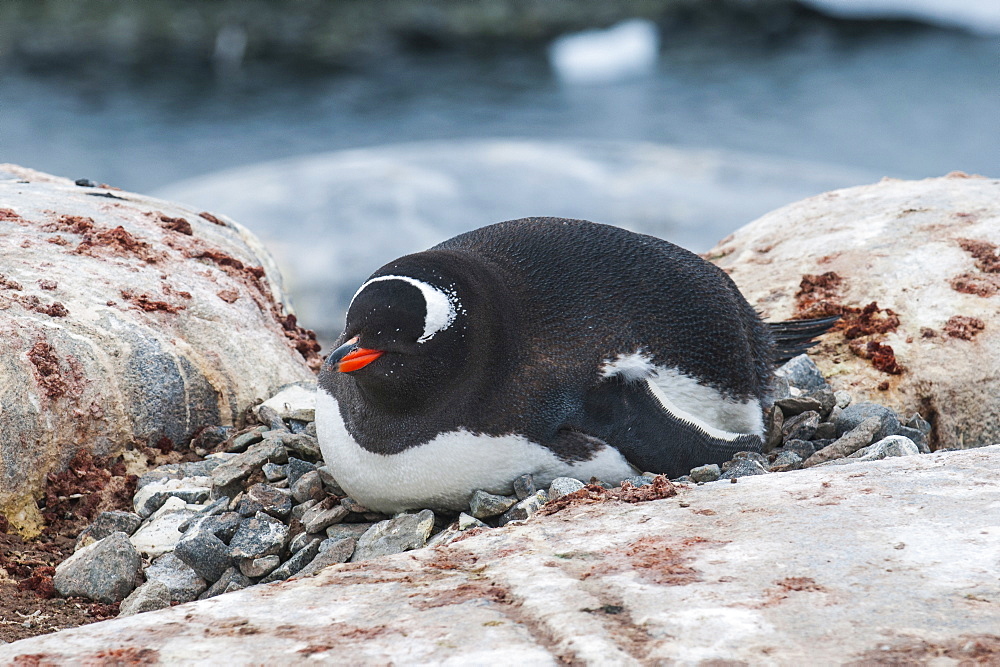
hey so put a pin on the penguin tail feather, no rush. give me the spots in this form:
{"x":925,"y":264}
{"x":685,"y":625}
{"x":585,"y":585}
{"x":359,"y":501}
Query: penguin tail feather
{"x":793,"y":337}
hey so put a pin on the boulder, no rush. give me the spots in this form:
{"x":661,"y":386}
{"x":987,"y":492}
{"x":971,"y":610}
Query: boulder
{"x":766,"y":571}
{"x":913,"y":267}
{"x":126,"y":319}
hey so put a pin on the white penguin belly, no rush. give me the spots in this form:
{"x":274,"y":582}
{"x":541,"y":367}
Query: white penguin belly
{"x":443,"y":472}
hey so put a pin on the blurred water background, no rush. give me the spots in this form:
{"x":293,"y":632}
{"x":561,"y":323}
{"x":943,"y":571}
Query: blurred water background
{"x":347,"y":133}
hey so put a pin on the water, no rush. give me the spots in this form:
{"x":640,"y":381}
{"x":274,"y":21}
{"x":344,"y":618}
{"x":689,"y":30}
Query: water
{"x":897,"y":100}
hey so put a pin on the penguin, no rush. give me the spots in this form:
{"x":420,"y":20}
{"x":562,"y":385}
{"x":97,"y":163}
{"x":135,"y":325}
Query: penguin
{"x":554,"y":347}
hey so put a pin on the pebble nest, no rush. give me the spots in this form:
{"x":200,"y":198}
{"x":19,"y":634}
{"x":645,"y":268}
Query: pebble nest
{"x":261,"y":507}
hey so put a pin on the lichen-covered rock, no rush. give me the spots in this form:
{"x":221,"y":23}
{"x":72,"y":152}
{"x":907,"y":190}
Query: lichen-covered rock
{"x":913,"y":267}
{"x":125,"y":318}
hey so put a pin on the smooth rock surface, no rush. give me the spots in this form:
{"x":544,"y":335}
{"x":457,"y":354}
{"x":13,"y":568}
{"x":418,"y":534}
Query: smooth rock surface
{"x":907,"y":551}
{"x":124,"y":318}
{"x":927,"y":250}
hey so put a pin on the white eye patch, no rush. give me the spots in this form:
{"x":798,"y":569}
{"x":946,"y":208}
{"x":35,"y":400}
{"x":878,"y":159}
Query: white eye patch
{"x":439,"y":306}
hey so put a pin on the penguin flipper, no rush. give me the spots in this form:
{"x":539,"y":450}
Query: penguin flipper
{"x":636,"y":419}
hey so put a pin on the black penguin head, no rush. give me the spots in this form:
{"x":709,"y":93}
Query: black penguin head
{"x":403,"y":340}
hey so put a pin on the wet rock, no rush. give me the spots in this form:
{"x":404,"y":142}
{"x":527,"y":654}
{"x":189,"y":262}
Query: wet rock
{"x":193,"y":490}
{"x":231,"y":580}
{"x":323,"y":514}
{"x":105,"y":524}
{"x":263,"y":535}
{"x":180,"y":578}
{"x":858,"y":437}
{"x":308,"y":487}
{"x":743,"y":468}
{"x":484,"y":505}
{"x":856,"y":413}
{"x":151,"y":596}
{"x":524,"y":486}
{"x":268,"y":499}
{"x":160,"y":532}
{"x":559,"y":487}
{"x":801,"y":426}
{"x":802,"y":374}
{"x":394,"y":536}
{"x":331,"y":552}
{"x":706,"y":473}
{"x":524,"y":508}
{"x":104,"y":571}
{"x":295,"y":401}
{"x":296,"y":562}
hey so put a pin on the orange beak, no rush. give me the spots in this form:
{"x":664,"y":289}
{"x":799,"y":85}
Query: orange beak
{"x":349,"y":357}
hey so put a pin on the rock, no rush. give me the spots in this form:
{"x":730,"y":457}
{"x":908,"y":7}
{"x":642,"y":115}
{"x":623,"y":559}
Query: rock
{"x":924,"y":250}
{"x":267,"y":499}
{"x":785,"y":461}
{"x":394,"y":536}
{"x":858,"y":412}
{"x":524,"y":508}
{"x":204,"y":549}
{"x":802,"y":373}
{"x":774,"y":423}
{"x":295,"y":401}
{"x":160,"y":532}
{"x":109,"y":352}
{"x":894,"y":445}
{"x":825,"y":431}
{"x":353,"y":506}
{"x":104,"y":571}
{"x":916,"y":437}
{"x":105,"y":524}
{"x":274,"y":472}
{"x":860,"y":436}
{"x":706,"y":473}
{"x":803,"y":448}
{"x":559,"y":487}
{"x":801,"y":426}
{"x":179,"y":577}
{"x":465,"y":522}
{"x":302,"y":540}
{"x":794,"y":405}
{"x":298,"y":560}
{"x":329,"y":481}
{"x":743,"y":468}
{"x":242,"y":442}
{"x":341,"y":530}
{"x":484,"y":505}
{"x":300,"y":510}
{"x":524,"y":486}
{"x":192,"y":490}
{"x":639,"y":480}
{"x":258,"y":567}
{"x":308,"y":487}
{"x":843,"y":398}
{"x":323,"y":514}
{"x":262,"y":535}
{"x":151,"y":596}
{"x":301,"y":444}
{"x":510,"y":584}
{"x":331,"y":552}
{"x":231,"y":580}
{"x":242,"y":465}
{"x":297,"y":467}
{"x":270,"y":418}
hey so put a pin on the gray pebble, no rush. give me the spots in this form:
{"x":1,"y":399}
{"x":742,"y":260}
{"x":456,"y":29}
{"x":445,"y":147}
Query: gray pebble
{"x":856,"y":413}
{"x":843,"y":398}
{"x":263,"y":535}
{"x":802,"y":373}
{"x":706,"y":473}
{"x":243,"y":465}
{"x":297,"y":467}
{"x":524,"y":486}
{"x":151,"y":596}
{"x":331,"y":552}
{"x":743,"y":468}
{"x":894,"y":445}
{"x":484,"y":505}
{"x":323,"y":514}
{"x":803,"y":448}
{"x":308,"y":487}
{"x":274,"y":472}
{"x":104,"y":571}
{"x":341,"y":530}
{"x":258,"y":567}
{"x":302,"y":444}
{"x":775,"y":422}
{"x":395,"y":536}
{"x":353,"y":506}
{"x":752,"y":456}
{"x":326,"y":476}
{"x":107,"y":523}
{"x":525,"y":508}
{"x":151,"y":497}
{"x":801,"y":426}
{"x":638,"y":480}
{"x":302,"y":540}
{"x":794,"y":405}
{"x":561,"y":486}
{"x":825,"y":431}
{"x":242,"y":442}
{"x":847,"y":444}
{"x":179,"y":577}
{"x":266,"y":498}
{"x":231,"y":580}
{"x":465,"y":522}
{"x":785,"y":461}
{"x":270,"y":417}
{"x":203,"y":550}
{"x":300,"y":510}
{"x":299,"y":560}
